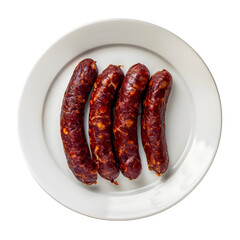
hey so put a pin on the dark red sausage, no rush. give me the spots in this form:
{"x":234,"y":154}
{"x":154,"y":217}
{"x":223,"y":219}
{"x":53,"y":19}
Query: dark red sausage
{"x":153,"y":121}
{"x":100,"y":123}
{"x":72,"y":131}
{"x":125,"y":120}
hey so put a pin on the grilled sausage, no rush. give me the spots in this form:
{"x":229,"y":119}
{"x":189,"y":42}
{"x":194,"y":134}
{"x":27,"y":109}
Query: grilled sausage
{"x":100,"y":123}
{"x":71,"y":122}
{"x":153,"y":121}
{"x":125,"y":120}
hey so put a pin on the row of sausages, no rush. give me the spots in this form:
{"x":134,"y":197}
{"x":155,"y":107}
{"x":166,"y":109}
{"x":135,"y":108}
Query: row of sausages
{"x":113,"y":132}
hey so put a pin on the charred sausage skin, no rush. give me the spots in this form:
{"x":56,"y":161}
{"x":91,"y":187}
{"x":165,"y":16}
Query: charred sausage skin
{"x":153,"y":121}
{"x":71,"y":122}
{"x":100,"y":121}
{"x":125,"y":120}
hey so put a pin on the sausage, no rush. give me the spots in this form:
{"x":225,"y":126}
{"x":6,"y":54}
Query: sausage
{"x":71,"y":122}
{"x":100,"y":123}
{"x":125,"y":120}
{"x":153,"y":121}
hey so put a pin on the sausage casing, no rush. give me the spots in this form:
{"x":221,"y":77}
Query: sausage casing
{"x":71,"y":122}
{"x":100,"y":122}
{"x":125,"y":120}
{"x":153,"y":121}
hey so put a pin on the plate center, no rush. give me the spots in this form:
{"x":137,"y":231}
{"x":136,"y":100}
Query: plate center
{"x":180,"y":117}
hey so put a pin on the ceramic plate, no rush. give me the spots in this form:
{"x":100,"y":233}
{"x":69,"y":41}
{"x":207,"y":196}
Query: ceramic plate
{"x":193,"y":119}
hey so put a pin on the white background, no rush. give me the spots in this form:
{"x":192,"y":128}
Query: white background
{"x":28,"y":28}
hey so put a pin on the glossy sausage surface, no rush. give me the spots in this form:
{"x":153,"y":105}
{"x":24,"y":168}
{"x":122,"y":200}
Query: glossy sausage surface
{"x":125,"y":120}
{"x":153,"y":121}
{"x":100,"y":121}
{"x":71,"y":122}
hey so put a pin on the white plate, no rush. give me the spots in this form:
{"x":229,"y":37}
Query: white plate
{"x":193,"y":119}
